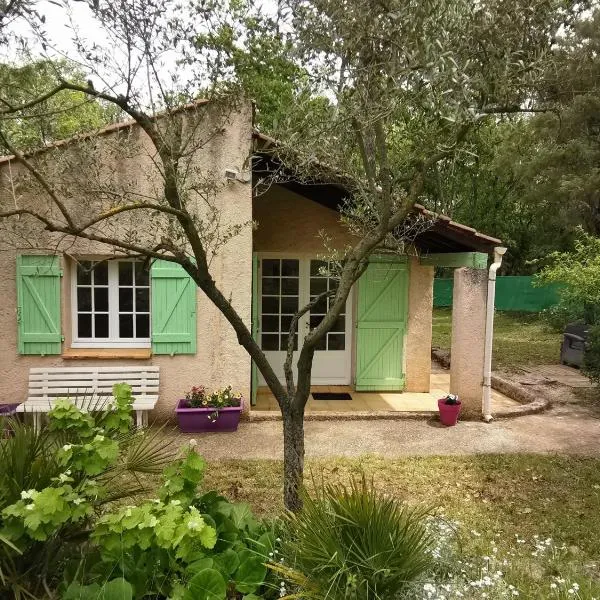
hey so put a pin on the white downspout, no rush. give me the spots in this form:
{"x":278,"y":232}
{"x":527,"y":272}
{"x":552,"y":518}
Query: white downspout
{"x":486,"y":407}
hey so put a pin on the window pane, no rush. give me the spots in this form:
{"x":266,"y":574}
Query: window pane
{"x":270,"y":266}
{"x":289,"y":305}
{"x":320,"y":308}
{"x":84,"y":325}
{"x":270,"y":324}
{"x":141,"y":274}
{"x":336,"y":341}
{"x":340,"y":324}
{"x":290,"y":268}
{"x":318,"y":285}
{"x":270,"y":286}
{"x":84,"y":272}
{"x":84,"y":299}
{"x":101,"y":273}
{"x":315,"y":320}
{"x":125,"y":273}
{"x":270,"y":304}
{"x":322,"y":343}
{"x":126,"y":326}
{"x":286,"y":323}
{"x":270,"y":342}
{"x":125,"y":299}
{"x":284,"y":342}
{"x":101,"y":323}
{"x":315,"y":266}
{"x":289,"y":286}
{"x":142,"y":300}
{"x":142,"y":326}
{"x":101,"y":299}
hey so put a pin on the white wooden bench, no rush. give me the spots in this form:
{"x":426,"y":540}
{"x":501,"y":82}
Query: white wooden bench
{"x":90,"y":388}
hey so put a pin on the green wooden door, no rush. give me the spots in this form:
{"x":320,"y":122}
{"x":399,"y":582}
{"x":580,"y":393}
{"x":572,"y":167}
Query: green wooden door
{"x":381,"y":326}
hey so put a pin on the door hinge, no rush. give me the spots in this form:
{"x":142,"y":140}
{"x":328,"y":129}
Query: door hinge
{"x":62,"y":338}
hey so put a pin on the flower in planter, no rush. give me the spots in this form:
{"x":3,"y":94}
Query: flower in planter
{"x":198,"y":397}
{"x":452,"y":399}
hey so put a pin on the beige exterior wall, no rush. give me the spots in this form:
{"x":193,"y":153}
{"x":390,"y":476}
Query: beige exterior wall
{"x":468,"y":338}
{"x":418,"y":335}
{"x":288,"y":222}
{"x":219,"y":359}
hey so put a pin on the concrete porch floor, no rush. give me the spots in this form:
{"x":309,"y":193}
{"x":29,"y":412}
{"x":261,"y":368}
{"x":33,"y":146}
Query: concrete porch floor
{"x":380,"y":401}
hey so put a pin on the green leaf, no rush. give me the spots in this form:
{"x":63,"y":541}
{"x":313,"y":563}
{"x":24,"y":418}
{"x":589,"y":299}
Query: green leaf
{"x":251,"y":573}
{"x":117,"y":589}
{"x":228,"y":561}
{"x":206,"y":585}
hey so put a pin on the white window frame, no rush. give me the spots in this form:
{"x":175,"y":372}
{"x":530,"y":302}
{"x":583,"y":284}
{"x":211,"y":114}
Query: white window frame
{"x":113,"y":340}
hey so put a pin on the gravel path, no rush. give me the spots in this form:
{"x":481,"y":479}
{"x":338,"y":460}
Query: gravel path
{"x":560,"y":430}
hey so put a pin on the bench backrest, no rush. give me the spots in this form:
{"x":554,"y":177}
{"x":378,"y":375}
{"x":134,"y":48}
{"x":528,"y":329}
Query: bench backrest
{"x":91,"y":382}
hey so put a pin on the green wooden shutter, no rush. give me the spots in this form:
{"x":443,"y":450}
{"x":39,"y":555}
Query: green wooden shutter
{"x":254,"y":376}
{"x":38,"y":304}
{"x":381,"y":326}
{"x":173,"y":309}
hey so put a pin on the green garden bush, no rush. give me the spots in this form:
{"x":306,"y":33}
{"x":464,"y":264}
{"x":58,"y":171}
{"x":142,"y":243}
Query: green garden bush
{"x":353,"y":543}
{"x":75,"y":521}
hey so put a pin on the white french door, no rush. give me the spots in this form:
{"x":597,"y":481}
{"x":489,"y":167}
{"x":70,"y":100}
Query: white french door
{"x":286,"y":284}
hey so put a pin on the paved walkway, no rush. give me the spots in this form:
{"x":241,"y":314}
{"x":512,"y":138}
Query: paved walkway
{"x":558,"y":430}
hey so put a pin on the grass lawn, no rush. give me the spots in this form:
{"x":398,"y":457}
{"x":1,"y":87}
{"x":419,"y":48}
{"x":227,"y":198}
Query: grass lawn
{"x":498,"y":500}
{"x":519,"y":338}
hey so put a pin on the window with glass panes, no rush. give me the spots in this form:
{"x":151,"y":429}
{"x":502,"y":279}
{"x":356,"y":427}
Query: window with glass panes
{"x":320,"y":283}
{"x":111,"y":303}
{"x":280,"y":282}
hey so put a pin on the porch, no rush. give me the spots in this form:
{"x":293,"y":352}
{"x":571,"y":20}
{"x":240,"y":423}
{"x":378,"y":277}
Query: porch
{"x":380,"y":401}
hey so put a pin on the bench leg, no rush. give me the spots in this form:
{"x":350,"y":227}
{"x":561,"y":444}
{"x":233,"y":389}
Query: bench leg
{"x":139,"y":418}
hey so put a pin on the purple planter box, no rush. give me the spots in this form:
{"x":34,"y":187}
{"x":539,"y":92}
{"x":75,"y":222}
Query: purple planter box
{"x":196,"y":420}
{"x":7,"y":410}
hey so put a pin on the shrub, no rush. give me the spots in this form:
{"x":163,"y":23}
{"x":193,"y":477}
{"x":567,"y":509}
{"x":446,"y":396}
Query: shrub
{"x":354,"y":543}
{"x":56,"y":480}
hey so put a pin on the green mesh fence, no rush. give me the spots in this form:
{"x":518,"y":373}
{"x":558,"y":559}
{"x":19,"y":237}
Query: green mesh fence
{"x":513,"y":292}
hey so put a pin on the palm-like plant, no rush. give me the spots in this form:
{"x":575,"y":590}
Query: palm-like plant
{"x":351,"y":542}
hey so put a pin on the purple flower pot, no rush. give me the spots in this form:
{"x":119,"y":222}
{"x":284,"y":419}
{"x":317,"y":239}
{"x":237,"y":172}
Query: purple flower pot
{"x":197,"y":420}
{"x":448,"y":412}
{"x":7,"y":410}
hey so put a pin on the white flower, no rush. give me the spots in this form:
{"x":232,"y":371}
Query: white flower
{"x":27,"y":494}
{"x":67,"y":447}
{"x":29,"y":507}
{"x":77,"y":501}
{"x":193,"y":443}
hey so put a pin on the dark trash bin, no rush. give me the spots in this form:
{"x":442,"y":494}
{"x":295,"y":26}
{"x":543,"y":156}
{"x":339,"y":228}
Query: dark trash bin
{"x":573,"y":346}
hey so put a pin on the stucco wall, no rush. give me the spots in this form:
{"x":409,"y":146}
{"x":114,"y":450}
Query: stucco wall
{"x":288,"y":222}
{"x":219,"y":359}
{"x":468,"y":338}
{"x":418,"y":335}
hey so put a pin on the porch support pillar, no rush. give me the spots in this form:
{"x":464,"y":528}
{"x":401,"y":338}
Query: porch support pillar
{"x":418,"y":333}
{"x":468,"y":338}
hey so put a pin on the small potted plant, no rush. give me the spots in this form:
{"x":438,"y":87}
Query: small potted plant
{"x":203,"y":411}
{"x":449,"y":408}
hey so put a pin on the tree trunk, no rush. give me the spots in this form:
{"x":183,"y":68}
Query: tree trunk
{"x":293,"y":458}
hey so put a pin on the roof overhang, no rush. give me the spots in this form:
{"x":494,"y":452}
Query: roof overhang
{"x":444,"y":235}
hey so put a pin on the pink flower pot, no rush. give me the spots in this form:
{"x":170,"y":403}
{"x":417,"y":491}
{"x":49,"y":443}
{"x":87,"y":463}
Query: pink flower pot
{"x":448,"y":412}
{"x":198,"y":420}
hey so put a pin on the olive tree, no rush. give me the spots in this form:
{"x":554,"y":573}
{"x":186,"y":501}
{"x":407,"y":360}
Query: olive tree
{"x":388,"y":90}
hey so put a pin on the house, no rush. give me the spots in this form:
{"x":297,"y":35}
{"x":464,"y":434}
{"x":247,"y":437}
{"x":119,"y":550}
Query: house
{"x":63,"y":303}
